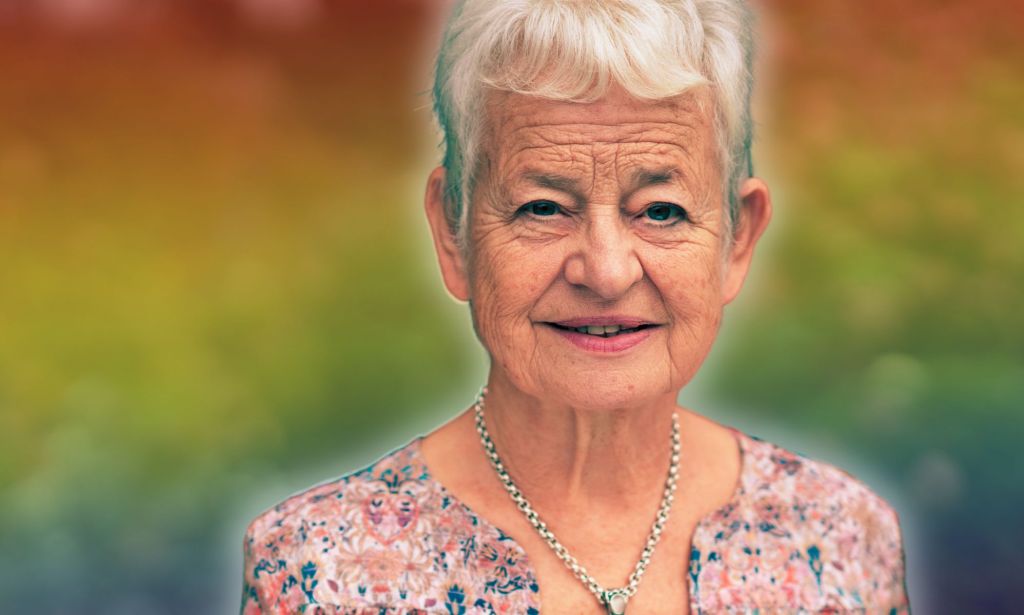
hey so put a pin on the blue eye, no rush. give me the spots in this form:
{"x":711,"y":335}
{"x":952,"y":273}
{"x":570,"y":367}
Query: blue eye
{"x":665,"y":212}
{"x":542,"y":209}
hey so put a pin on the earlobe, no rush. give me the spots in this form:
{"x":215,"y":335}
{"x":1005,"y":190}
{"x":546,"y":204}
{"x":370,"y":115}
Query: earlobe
{"x":754,"y":215}
{"x":449,"y":254}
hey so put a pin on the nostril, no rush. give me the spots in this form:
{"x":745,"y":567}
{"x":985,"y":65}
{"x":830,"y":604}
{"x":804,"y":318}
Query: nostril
{"x":607,"y":267}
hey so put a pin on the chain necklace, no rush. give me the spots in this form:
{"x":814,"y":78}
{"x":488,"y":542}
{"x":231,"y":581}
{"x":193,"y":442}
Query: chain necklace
{"x":614,"y":600}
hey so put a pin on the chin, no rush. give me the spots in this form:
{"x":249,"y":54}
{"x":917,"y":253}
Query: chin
{"x":605,"y":392}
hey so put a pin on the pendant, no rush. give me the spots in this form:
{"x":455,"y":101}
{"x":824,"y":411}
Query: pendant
{"x":615,"y":601}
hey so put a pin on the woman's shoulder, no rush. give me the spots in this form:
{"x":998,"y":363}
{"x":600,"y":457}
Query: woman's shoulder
{"x":806,"y":530}
{"x":818,"y":488}
{"x":400,"y":471}
{"x":386,"y":538}
{"x":292,"y":549}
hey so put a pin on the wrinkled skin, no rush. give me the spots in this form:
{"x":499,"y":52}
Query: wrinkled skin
{"x":627,"y":218}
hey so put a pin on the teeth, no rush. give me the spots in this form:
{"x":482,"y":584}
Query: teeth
{"x":603,"y":330}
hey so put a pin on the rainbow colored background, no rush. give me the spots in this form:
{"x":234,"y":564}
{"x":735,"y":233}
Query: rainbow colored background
{"x":216,"y":287}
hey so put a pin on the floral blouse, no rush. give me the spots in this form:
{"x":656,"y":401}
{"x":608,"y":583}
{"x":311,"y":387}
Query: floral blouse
{"x":798,"y":536}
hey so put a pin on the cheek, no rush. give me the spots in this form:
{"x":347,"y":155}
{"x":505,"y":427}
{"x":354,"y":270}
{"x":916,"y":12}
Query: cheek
{"x":690,"y":290}
{"x":506,"y":285}
{"x":689,"y":280}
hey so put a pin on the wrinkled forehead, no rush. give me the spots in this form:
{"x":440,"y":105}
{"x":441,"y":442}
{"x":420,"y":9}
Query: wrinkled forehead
{"x":527,"y":131}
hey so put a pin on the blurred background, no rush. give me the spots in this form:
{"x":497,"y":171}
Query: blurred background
{"x":216,"y":287}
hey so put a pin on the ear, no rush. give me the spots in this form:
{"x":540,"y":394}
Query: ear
{"x":755,"y":212}
{"x":449,"y":255}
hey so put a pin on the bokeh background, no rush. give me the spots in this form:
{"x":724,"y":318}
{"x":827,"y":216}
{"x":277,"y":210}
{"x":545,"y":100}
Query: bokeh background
{"x":216,"y":287}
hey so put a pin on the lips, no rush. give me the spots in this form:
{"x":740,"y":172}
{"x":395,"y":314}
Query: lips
{"x":607,"y":340}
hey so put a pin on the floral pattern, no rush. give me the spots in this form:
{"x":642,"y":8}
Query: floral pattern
{"x":798,"y":536}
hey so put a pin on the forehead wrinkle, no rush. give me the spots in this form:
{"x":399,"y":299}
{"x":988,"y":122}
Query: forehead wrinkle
{"x":551,"y":161}
{"x":537,"y":118}
{"x":524,"y":122}
{"x":571,"y":155}
{"x":521,"y":161}
{"x":580,"y":133}
{"x":654,"y":138}
{"x":574,"y":148}
{"x":498,"y":104}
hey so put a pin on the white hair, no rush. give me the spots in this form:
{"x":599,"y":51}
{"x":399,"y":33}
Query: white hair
{"x":575,"y":50}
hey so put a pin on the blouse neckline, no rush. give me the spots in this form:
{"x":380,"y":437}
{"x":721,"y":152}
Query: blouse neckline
{"x":700,"y":530}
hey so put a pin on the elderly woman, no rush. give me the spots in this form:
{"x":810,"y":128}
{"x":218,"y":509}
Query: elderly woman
{"x":596,"y":209}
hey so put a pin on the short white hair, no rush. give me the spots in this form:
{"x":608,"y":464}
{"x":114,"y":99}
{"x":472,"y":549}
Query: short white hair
{"x":575,"y":50}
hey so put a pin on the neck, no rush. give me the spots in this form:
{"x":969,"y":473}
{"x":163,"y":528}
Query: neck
{"x":571,"y":457}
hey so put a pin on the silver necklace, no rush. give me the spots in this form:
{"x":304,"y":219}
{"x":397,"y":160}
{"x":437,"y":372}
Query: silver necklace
{"x":614,"y":600}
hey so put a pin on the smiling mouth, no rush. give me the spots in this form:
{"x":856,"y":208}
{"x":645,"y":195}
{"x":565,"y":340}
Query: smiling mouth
{"x":602,"y":330}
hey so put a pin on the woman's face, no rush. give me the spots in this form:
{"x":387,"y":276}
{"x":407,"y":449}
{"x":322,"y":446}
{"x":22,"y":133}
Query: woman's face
{"x":596,"y":268}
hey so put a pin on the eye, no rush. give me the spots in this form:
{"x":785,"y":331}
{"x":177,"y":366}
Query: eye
{"x":665,"y":213}
{"x":541,"y":209}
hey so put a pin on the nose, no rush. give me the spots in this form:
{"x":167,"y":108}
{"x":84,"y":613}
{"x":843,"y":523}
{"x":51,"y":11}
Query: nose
{"x":604,"y":260}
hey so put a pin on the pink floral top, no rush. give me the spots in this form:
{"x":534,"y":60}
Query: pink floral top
{"x":798,"y":536}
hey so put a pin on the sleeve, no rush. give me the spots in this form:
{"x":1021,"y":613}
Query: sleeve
{"x":276,"y":579}
{"x":250,"y":585}
{"x":887,"y":560}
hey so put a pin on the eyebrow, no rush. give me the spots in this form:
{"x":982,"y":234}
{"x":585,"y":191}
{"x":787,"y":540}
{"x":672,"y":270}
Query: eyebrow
{"x":555,"y":182}
{"x":560,"y":183}
{"x":653,"y":177}
{"x":639,"y":179}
